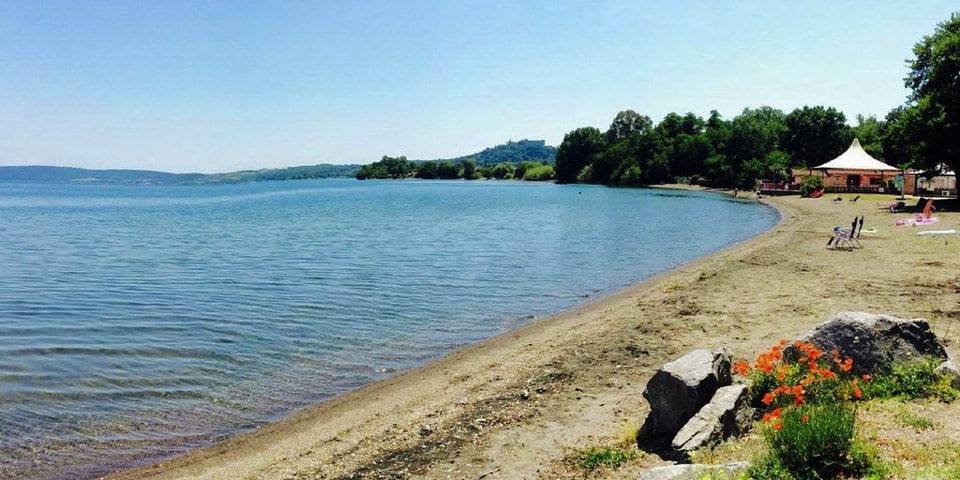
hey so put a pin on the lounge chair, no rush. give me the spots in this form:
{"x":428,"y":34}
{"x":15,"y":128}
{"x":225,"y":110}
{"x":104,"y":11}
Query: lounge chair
{"x":848,"y":238}
{"x":854,"y":199}
{"x":898,"y":207}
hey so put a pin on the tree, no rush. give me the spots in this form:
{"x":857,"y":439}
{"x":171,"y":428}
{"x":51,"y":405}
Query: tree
{"x":870,"y":132}
{"x":754,"y":135}
{"x":427,"y":170}
{"x":469,"y":167}
{"x":626,"y":123}
{"x":578,"y":150}
{"x":934,"y":79}
{"x":448,"y":170}
{"x":814,"y":135}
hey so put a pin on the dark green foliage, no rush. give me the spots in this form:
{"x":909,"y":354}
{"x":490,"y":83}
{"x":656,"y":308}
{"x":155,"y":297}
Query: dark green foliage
{"x":448,"y":170}
{"x":934,"y":80}
{"x":814,"y":135}
{"x":427,"y":170}
{"x":387,"y":167}
{"x":579,"y":149}
{"x":513,"y":152}
{"x":809,"y":184}
{"x":469,"y":169}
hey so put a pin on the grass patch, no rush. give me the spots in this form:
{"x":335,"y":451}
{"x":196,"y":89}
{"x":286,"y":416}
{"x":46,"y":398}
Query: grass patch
{"x":915,"y":421}
{"x":595,"y":458}
{"x":911,"y":381}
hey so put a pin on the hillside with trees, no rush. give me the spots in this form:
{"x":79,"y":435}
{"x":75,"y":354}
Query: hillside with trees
{"x":529,"y":160}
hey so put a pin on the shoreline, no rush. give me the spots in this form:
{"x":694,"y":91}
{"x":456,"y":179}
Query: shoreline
{"x":513,"y":406}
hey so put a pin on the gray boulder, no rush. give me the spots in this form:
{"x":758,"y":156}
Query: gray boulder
{"x":696,"y":472}
{"x":728,"y":414}
{"x":951,"y":370}
{"x":679,"y":389}
{"x":874,"y":340}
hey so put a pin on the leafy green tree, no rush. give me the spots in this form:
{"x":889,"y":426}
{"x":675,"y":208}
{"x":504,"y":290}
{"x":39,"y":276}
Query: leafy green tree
{"x":578,"y":150}
{"x":870,"y":132}
{"x":754,"y":135}
{"x":503,"y":170}
{"x":901,"y":140}
{"x":814,"y":135}
{"x":448,"y":170}
{"x":469,"y":167}
{"x":625,"y":124}
{"x":427,"y":170}
{"x":934,"y":79}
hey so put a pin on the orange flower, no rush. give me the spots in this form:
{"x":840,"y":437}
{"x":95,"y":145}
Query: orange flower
{"x":805,"y":419}
{"x":783,"y":342}
{"x":866,"y":377}
{"x":797,"y":390}
{"x":857,"y":393}
{"x":742,"y":368}
{"x":767,"y":399}
{"x":776,"y":412}
{"x":778,"y":426}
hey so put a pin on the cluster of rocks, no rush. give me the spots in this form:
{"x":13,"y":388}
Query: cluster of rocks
{"x":695,"y":404}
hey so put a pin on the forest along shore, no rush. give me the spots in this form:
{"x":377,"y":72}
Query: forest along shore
{"x":516,"y":406}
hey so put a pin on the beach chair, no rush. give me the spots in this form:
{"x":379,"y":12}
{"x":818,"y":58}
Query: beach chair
{"x":854,"y":199}
{"x":847,"y":238}
{"x":897,"y":207}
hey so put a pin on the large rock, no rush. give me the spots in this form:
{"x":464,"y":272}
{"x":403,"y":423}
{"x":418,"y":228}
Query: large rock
{"x":875,"y":341}
{"x":679,"y":389}
{"x":951,"y":370}
{"x":728,"y":414}
{"x":696,"y":471}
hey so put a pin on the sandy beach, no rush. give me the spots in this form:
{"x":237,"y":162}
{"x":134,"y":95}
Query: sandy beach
{"x":516,"y":406}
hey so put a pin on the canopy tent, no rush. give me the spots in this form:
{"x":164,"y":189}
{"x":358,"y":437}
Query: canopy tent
{"x":856,"y":158}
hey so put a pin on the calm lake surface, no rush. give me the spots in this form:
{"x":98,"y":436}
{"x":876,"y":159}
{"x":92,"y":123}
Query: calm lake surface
{"x":138,"y":322}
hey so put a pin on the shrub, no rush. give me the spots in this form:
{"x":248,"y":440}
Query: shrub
{"x":911,"y":381}
{"x":808,"y":412}
{"x":539,"y":173}
{"x":810,"y":184}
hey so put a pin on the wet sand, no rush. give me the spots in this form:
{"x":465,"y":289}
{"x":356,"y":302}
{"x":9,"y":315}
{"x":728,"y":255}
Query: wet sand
{"x":517,"y":405}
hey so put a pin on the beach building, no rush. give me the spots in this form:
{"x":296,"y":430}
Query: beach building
{"x":854,"y":170}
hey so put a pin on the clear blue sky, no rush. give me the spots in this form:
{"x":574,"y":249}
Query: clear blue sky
{"x":216,"y":86}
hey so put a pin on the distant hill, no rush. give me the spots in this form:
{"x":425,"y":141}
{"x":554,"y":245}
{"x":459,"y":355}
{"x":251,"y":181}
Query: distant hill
{"x":512,"y":152}
{"x":82,"y":175}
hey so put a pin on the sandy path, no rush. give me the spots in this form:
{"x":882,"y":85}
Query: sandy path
{"x":514,"y":406}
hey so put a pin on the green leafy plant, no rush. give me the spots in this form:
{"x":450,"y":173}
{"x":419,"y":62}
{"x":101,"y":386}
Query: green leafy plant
{"x":809,"y":412}
{"x":810,"y":184}
{"x":912,"y":380}
{"x":609,"y":457}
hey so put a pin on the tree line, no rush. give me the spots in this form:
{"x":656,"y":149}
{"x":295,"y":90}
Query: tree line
{"x":766,"y":143}
{"x":400,"y":168}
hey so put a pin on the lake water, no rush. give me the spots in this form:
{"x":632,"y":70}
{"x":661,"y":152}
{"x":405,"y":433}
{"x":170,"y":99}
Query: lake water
{"x":138,"y":322}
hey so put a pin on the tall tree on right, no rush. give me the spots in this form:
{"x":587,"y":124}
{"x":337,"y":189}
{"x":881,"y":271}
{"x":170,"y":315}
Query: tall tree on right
{"x":934,"y":79}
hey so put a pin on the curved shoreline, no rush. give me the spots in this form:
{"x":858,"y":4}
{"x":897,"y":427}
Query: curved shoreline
{"x":516,"y":405}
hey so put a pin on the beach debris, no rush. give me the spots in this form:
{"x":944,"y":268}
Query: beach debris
{"x":727,"y":414}
{"x":679,"y":389}
{"x":696,"y":471}
{"x":874,"y":340}
{"x":951,"y":370}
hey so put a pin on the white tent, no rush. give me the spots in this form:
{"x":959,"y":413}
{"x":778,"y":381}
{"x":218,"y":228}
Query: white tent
{"x":856,"y":158}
